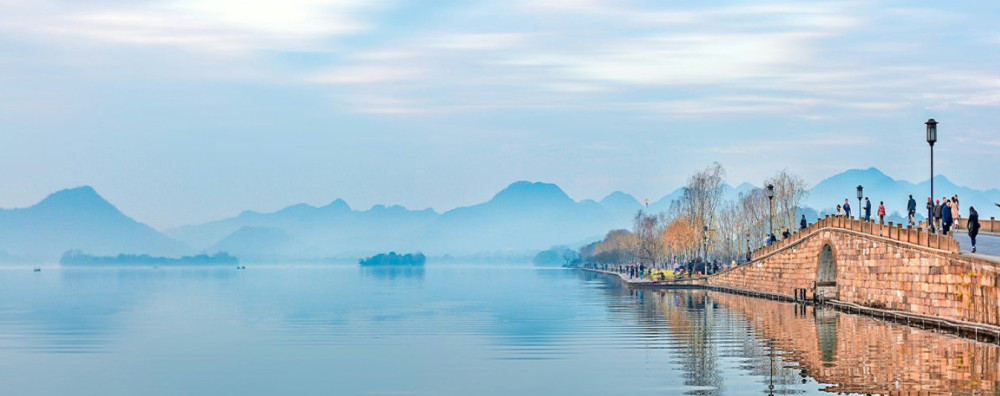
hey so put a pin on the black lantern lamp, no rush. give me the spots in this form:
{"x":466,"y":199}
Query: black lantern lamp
{"x":931,"y":139}
{"x":770,"y":200}
{"x":860,"y":194}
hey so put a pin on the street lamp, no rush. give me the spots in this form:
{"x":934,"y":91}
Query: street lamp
{"x":860,"y":194}
{"x":770,"y":201}
{"x":931,"y":139}
{"x":748,"y":246}
{"x":704,"y":265}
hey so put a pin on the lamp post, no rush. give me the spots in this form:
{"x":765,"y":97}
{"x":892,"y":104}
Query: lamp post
{"x":770,"y":201}
{"x":704,"y":264}
{"x":748,"y":246}
{"x":860,"y":194}
{"x":931,"y":139}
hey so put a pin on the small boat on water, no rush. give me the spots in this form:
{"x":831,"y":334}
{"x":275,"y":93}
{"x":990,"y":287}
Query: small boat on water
{"x":38,"y":269}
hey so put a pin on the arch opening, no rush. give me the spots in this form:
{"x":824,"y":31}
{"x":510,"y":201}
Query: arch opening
{"x":826,"y":274}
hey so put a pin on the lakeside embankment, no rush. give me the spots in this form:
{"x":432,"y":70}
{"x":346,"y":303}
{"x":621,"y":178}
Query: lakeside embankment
{"x":896,"y":273}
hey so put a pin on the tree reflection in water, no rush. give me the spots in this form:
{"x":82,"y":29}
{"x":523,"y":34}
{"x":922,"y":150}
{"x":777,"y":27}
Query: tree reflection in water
{"x":842,"y":352}
{"x":392,"y":272}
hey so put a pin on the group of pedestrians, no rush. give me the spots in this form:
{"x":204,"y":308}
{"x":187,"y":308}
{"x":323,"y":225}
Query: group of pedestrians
{"x":942,"y":215}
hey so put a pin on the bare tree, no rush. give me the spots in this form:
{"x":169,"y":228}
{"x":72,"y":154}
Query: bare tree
{"x":754,"y":214}
{"x":703,"y":196}
{"x":648,"y":230}
{"x":789,"y":192}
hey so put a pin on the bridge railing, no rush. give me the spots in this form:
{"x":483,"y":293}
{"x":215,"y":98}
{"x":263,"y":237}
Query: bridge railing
{"x":991,"y":225}
{"x":911,"y":235}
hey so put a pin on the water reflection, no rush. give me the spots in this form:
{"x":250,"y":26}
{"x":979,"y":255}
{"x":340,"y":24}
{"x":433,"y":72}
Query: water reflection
{"x":393,"y":272}
{"x":454,"y":330}
{"x":862,"y":355}
{"x":840,"y":352}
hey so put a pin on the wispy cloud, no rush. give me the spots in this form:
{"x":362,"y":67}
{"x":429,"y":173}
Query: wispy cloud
{"x":787,"y":146}
{"x":202,"y":25}
{"x":790,"y":58}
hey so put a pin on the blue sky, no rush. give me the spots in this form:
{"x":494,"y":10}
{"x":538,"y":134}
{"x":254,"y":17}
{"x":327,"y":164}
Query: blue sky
{"x":186,"y":111}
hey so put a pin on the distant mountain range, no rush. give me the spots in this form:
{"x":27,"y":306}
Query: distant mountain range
{"x":77,"y":218}
{"x":518,"y":221}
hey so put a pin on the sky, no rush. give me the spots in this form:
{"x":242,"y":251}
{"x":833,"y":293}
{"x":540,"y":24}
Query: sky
{"x":186,"y":111}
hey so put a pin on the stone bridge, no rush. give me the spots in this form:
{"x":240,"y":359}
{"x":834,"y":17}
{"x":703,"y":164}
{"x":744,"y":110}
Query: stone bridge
{"x":882,"y":267}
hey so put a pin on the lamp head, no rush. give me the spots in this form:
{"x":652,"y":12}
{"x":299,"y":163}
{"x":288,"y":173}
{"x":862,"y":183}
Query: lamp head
{"x":931,"y":131}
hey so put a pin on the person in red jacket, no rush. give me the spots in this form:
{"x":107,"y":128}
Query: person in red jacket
{"x":881,"y":212}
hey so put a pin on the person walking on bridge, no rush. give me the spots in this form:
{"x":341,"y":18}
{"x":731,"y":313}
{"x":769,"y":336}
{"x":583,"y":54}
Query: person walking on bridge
{"x":937,"y":214}
{"x":803,"y":223}
{"x":973,"y":226}
{"x":946,"y":217}
{"x":881,"y":213}
{"x":911,"y":210}
{"x":868,"y":209}
{"x":930,"y":215}
{"x":954,"y":211}
{"x":847,"y":209}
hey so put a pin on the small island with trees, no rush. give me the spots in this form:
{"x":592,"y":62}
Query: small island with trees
{"x":395,"y":260}
{"x":76,"y":257}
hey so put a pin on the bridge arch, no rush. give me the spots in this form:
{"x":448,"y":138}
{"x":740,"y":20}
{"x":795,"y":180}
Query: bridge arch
{"x":826,"y":272}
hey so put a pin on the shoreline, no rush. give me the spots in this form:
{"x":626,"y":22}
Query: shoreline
{"x":969,"y":330}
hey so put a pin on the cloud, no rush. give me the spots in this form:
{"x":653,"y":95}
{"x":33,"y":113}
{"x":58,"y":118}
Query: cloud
{"x":688,"y":59}
{"x":476,"y":41}
{"x":367,"y":74}
{"x":788,"y":145}
{"x":202,"y":25}
{"x":814,"y":60}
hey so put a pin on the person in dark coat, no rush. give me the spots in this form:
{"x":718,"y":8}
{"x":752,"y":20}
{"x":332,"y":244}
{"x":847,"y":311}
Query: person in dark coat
{"x":868,"y":209}
{"x":911,"y":210}
{"x":803,"y":223}
{"x":786,"y":234}
{"x":973,"y":226}
{"x":946,"y":217}
{"x":937,"y":214}
{"x":847,"y":209}
{"x":930,"y":215}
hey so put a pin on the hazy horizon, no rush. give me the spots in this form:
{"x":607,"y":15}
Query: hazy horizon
{"x":639,"y":199}
{"x":181,"y":112}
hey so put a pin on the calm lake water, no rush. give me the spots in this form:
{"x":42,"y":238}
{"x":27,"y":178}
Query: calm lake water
{"x":443,"y":330}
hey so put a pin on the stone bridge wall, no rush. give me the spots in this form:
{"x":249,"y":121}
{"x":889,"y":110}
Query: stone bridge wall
{"x":878,"y":266}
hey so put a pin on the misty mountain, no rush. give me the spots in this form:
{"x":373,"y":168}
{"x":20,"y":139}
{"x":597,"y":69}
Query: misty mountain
{"x":305,"y":231}
{"x":523,"y":217}
{"x":78,"y":218}
{"x":518,"y":221}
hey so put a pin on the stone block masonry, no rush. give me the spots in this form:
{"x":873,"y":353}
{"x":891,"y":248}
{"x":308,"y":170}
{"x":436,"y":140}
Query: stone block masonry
{"x":877,"y":266}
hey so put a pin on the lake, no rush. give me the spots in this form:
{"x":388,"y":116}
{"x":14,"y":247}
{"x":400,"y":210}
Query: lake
{"x":446,"y":329}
